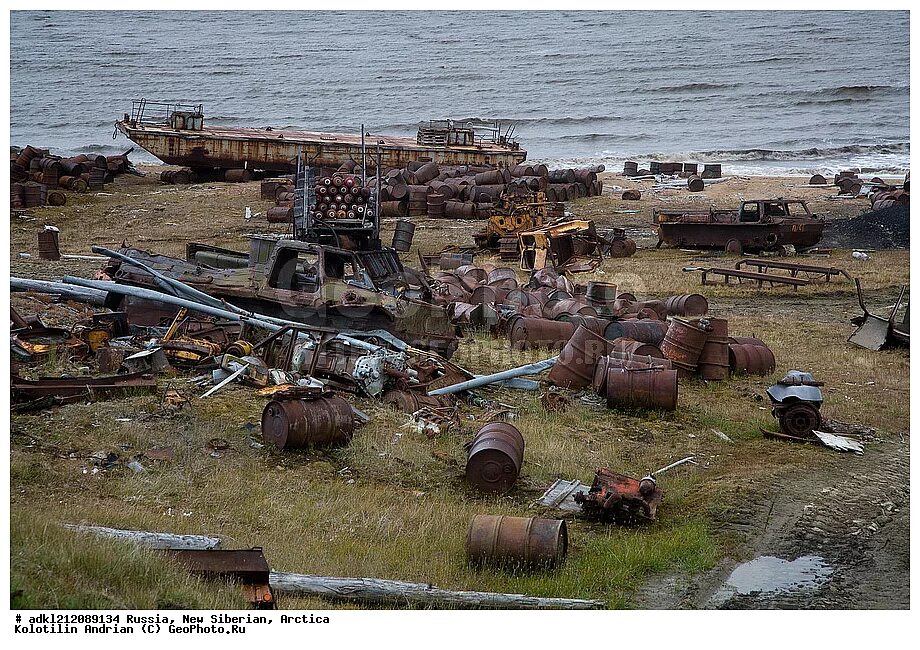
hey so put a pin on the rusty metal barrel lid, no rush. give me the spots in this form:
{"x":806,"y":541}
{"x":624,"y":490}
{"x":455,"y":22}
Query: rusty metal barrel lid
{"x":495,"y":457}
{"x":525,"y":542}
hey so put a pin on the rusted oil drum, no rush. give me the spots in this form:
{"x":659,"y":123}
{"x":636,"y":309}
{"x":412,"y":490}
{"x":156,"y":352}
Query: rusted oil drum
{"x":449,"y":261}
{"x":527,"y":333}
{"x":751,"y":359}
{"x":575,"y":367}
{"x":460,"y":209}
{"x":280,"y":215}
{"x":495,"y":457}
{"x":653,"y":388}
{"x":645,"y":330}
{"x":517,"y":541}
{"x":631,"y":195}
{"x":517,"y":298}
{"x":688,"y":304}
{"x":427,"y":172}
{"x":746,"y":340}
{"x":57,"y":198}
{"x":619,"y":360}
{"x":684,"y":343}
{"x":630,"y":168}
{"x":297,"y":423}
{"x":237,"y":176}
{"x":596,"y":325}
{"x":502,"y":273}
{"x":713,"y":363}
{"x":622,"y":248}
{"x":484,"y":294}
{"x":691,"y":168}
{"x":629,"y":347}
{"x":561,"y":309}
{"x":817,"y":179}
{"x":695,"y":184}
{"x":402,"y":235}
{"x":600,"y":294}
{"x":494,"y":177}
{"x":394,"y":208}
{"x":473,"y":272}
{"x":657,"y":307}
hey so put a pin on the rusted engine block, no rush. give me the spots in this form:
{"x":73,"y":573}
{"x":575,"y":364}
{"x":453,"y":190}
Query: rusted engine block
{"x":618,"y":498}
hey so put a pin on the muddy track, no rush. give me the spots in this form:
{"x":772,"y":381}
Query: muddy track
{"x":850,"y":512}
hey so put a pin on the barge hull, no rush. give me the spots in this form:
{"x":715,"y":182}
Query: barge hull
{"x":276,"y":150}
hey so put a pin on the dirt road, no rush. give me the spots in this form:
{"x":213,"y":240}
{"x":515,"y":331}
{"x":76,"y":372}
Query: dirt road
{"x":836,"y":536}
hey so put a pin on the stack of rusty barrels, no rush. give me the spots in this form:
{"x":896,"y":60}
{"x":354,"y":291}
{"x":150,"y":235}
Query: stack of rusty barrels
{"x":37,"y":177}
{"x":472,"y":192}
{"x":183,"y":176}
{"x":703,"y":347}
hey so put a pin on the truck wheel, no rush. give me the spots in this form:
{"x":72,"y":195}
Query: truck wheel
{"x":734,"y":246}
{"x":799,"y":420}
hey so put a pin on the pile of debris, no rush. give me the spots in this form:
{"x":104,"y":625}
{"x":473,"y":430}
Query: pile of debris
{"x":37,"y":177}
{"x":880,"y":229}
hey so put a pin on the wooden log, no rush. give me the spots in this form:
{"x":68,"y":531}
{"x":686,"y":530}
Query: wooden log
{"x":151,"y":540}
{"x":374,"y":590}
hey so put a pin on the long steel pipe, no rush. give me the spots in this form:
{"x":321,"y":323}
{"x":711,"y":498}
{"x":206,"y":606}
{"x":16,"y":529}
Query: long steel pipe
{"x":529,"y":369}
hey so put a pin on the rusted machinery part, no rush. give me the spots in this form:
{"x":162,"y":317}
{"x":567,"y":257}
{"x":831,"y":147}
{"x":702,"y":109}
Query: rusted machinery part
{"x":734,"y":247}
{"x":799,"y":419}
{"x":555,"y":402}
{"x":751,"y":359}
{"x":620,"y":498}
{"x":575,"y":367}
{"x":297,"y":423}
{"x":495,"y":457}
{"x":517,"y":541}
{"x":653,"y":388}
{"x":410,"y":401}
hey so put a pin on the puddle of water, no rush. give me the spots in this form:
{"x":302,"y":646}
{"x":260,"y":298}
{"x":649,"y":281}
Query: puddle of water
{"x":769,"y":575}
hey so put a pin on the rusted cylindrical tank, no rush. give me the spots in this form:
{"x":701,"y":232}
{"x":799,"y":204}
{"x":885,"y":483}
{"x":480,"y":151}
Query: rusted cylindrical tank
{"x":645,"y":330}
{"x":622,"y":248}
{"x":517,"y":541}
{"x":449,"y":261}
{"x":712,"y":171}
{"x":631,"y":195}
{"x":57,"y":198}
{"x":619,"y":360}
{"x":600,"y":294}
{"x":575,"y":367}
{"x":562,"y":309}
{"x":653,"y":388}
{"x":279,"y":215}
{"x":746,"y":340}
{"x":527,"y":333}
{"x":402,"y":235}
{"x":298,"y":423}
{"x":630,"y":347}
{"x":684,"y":343}
{"x":751,"y":359}
{"x":713,"y":362}
{"x":495,"y":457}
{"x":695,"y":184}
{"x":484,"y":294}
{"x":688,"y":304}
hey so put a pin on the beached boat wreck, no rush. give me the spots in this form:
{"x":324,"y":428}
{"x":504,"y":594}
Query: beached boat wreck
{"x":177,"y":135}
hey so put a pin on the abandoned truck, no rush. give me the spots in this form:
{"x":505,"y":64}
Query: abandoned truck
{"x":758,"y":225}
{"x":304,"y":282}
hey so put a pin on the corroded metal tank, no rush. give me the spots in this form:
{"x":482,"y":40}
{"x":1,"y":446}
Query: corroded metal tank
{"x":517,"y":541}
{"x":495,"y":457}
{"x":751,"y":359}
{"x":298,"y":423}
{"x":713,"y":363}
{"x":575,"y":367}
{"x":684,"y":343}
{"x":653,"y":388}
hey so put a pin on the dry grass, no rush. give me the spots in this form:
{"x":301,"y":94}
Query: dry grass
{"x":393,"y":504}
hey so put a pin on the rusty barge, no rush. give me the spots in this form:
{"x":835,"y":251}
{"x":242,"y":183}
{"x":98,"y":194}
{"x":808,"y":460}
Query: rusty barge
{"x":177,"y":135}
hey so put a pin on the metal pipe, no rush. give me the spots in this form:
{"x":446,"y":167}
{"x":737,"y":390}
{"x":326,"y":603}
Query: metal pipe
{"x":91,"y":296}
{"x":529,"y":369}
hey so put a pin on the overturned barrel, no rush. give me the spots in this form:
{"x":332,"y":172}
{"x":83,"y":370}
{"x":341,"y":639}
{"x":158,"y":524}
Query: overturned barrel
{"x":652,"y":388}
{"x":645,"y":330}
{"x":688,"y":304}
{"x":298,"y":423}
{"x":684,"y":343}
{"x":532,"y":333}
{"x":619,"y":360}
{"x":495,"y":457}
{"x":575,"y":367}
{"x":629,"y":347}
{"x":516,"y":541}
{"x":751,"y":359}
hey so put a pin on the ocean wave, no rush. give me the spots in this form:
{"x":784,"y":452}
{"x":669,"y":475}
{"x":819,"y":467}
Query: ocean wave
{"x":811,"y":153}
